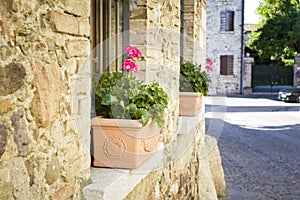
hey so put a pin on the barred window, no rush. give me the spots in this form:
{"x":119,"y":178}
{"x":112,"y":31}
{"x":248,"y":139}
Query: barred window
{"x":226,"y":65}
{"x":227,"y":21}
{"x":110,"y":20}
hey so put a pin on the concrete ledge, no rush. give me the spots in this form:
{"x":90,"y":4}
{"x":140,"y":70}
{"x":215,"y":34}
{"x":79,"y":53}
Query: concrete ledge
{"x":105,"y":181}
{"x":186,"y":124}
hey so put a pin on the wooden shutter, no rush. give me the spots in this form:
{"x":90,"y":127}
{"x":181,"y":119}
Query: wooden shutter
{"x":223,"y":21}
{"x":226,"y":65}
{"x":227,"y":21}
{"x":230,"y":65}
{"x":223,"y":66}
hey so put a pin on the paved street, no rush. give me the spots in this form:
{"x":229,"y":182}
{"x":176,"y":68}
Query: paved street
{"x":259,"y":141}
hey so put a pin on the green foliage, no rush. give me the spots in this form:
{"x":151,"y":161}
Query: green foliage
{"x":279,"y":31}
{"x":192,"y":79}
{"x":122,"y":96}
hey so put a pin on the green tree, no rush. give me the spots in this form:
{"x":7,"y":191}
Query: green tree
{"x":278,"y":32}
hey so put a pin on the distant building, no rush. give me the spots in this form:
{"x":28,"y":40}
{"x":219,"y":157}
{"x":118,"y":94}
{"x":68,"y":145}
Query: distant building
{"x":224,"y":44}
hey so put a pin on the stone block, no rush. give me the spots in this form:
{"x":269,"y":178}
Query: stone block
{"x":30,"y":171}
{"x":84,"y":27}
{"x":78,"y":7}
{"x":3,"y":136}
{"x":74,"y":168}
{"x":53,"y":171}
{"x":84,"y":104}
{"x":19,"y":177}
{"x":71,"y":149}
{"x":82,"y":86}
{"x":71,"y":65}
{"x":5,"y":105}
{"x":11,"y":78}
{"x":211,"y":153}
{"x":48,"y":93}
{"x":84,"y":67}
{"x":139,"y":13}
{"x":206,"y":187}
{"x":65,"y":192}
{"x":138,"y":24}
{"x":77,"y":48}
{"x":247,"y":91}
{"x":64,"y":23}
{"x":21,"y":138}
{"x":4,"y":29}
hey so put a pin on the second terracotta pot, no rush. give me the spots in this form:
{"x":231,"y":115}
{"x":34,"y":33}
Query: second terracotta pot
{"x":190,"y":103}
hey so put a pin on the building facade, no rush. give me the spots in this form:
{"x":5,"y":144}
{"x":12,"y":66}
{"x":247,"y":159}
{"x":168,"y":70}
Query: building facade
{"x":50,"y":53}
{"x":224,"y":45}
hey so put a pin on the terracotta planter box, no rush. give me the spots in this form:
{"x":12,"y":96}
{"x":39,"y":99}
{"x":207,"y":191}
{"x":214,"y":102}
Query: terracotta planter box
{"x":190,"y":103}
{"x":121,"y":143}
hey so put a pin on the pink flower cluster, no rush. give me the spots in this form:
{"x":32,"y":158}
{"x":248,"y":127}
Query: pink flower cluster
{"x":209,"y":64}
{"x":133,"y":53}
{"x":130,"y":65}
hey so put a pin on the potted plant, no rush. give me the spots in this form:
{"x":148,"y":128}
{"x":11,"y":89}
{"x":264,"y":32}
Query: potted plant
{"x":129,"y":116}
{"x":193,"y":85}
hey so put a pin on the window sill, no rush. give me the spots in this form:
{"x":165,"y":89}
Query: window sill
{"x":227,"y":32}
{"x":106,"y":181}
{"x":228,"y":76}
{"x":112,"y":183}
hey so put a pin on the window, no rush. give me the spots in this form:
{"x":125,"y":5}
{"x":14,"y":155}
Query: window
{"x":227,"y":21}
{"x":226,"y":65}
{"x":110,"y":21}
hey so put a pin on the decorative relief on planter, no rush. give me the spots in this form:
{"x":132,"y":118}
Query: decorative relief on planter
{"x":11,"y":78}
{"x":114,"y":147}
{"x":150,"y":145}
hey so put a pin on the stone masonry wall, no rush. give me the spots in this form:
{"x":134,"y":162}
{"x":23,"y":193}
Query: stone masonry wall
{"x":154,"y":28}
{"x":192,"y":170}
{"x":44,"y":98}
{"x":224,"y":43}
{"x":187,"y":172}
{"x":195,"y":31}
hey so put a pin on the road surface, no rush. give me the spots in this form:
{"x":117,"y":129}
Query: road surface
{"x":259,"y":141}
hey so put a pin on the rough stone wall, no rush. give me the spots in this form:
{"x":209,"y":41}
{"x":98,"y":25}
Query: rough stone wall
{"x":189,"y":166}
{"x":154,"y":27}
{"x":224,"y":43}
{"x":193,"y":172}
{"x":43,"y":48}
{"x":195,"y":31}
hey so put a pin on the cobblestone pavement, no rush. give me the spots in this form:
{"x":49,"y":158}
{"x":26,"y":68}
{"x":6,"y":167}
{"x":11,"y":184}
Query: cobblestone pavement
{"x":259,"y":141}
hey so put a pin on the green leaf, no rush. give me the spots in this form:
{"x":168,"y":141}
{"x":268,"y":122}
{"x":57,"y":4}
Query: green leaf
{"x":132,"y":109}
